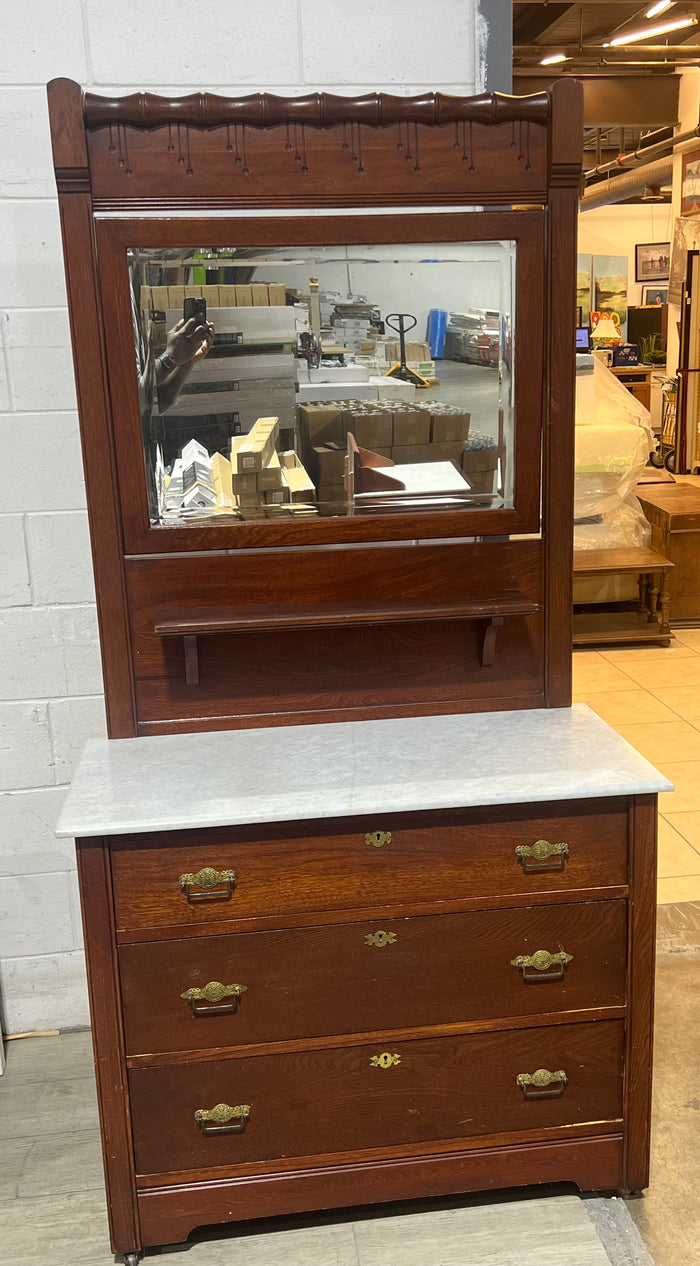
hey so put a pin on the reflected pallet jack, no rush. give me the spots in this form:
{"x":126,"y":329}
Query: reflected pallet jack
{"x":400,"y":369}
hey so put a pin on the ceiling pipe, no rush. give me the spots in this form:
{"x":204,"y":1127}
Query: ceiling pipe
{"x":671,"y":52}
{"x":625,"y":186}
{"x":642,"y":153}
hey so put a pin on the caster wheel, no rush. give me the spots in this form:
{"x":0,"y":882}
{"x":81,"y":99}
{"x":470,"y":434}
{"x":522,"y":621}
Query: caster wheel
{"x":670,"y":461}
{"x":131,"y":1259}
{"x":655,"y":459}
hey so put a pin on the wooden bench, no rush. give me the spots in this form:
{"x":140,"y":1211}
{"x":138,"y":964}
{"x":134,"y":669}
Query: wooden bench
{"x":650,"y":622}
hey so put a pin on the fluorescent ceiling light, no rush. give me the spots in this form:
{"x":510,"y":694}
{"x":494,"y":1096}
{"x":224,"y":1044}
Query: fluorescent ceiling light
{"x":555,"y":57}
{"x":660,"y":7}
{"x":633,"y":37}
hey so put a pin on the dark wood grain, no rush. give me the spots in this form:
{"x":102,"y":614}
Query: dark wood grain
{"x":641,"y":952}
{"x":248,"y":617}
{"x":454,"y":968}
{"x":558,"y":477}
{"x":108,"y":1043}
{"x":317,"y":109}
{"x":385,"y":669}
{"x":382,"y":1036}
{"x":308,"y":867}
{"x":320,"y":1102}
{"x":169,"y":1214}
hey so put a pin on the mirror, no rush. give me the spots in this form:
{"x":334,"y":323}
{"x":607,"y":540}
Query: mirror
{"x":279,"y":382}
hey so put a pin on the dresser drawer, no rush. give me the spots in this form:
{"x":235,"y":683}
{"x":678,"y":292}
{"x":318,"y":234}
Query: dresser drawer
{"x":417,"y":858}
{"x":363,"y":977}
{"x":315,"y":1103}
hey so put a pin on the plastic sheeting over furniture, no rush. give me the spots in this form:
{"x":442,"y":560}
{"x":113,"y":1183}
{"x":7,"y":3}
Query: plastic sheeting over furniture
{"x":612,"y":446}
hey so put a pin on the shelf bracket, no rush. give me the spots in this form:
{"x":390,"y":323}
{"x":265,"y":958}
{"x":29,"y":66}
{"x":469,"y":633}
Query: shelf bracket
{"x":488,"y":650}
{"x":191,"y":660}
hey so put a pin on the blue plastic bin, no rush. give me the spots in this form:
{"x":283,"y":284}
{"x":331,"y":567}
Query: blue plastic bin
{"x":437,"y":328}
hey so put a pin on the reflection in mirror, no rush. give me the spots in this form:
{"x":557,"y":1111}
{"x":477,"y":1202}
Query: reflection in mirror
{"x":325,"y":380}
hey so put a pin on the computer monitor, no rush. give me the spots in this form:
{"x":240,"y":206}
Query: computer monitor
{"x":583,"y":339}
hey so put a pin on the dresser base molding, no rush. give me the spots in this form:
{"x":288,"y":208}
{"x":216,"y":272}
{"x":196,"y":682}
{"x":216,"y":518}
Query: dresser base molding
{"x":169,"y":1214}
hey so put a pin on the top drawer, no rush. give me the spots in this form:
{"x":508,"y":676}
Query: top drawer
{"x":192,"y":878}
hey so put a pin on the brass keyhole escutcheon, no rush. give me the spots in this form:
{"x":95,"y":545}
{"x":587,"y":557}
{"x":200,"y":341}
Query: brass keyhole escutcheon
{"x":378,"y":838}
{"x":380,"y":939}
{"x":385,"y":1060}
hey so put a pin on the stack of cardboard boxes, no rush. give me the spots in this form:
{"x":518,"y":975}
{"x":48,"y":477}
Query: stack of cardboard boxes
{"x":405,"y":433}
{"x":258,"y":295}
{"x":267,"y":484}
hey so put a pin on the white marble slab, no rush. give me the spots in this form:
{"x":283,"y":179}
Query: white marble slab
{"x":185,"y":781}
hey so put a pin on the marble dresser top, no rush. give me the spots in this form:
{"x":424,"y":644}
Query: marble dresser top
{"x":291,"y":773}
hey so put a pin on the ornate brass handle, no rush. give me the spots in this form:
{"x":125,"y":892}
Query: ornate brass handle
{"x":541,"y":961}
{"x":378,"y":838}
{"x":538,"y":1085}
{"x":208,"y":880}
{"x":222,"y":1116}
{"x":213,"y":993}
{"x":538,"y":856}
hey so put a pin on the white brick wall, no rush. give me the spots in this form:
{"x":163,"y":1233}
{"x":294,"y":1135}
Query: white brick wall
{"x":50,"y":683}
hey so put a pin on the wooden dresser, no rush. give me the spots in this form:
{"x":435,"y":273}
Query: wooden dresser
{"x":369,"y":910}
{"x":394,"y":982}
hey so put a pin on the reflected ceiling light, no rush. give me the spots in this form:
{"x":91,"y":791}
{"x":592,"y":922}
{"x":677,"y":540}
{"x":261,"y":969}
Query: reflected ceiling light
{"x":646,"y":33}
{"x":555,"y":57}
{"x":660,"y":7}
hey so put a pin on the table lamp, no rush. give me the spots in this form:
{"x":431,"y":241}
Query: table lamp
{"x":605,"y":333}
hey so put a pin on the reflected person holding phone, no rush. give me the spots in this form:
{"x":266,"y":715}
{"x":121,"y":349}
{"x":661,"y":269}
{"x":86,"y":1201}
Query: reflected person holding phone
{"x":187,"y":343}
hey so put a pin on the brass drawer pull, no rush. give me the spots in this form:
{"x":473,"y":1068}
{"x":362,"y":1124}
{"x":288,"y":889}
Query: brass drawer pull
{"x":541,"y":961}
{"x":538,"y":856}
{"x":222,"y":1116}
{"x":208,"y":880}
{"x":378,"y":838}
{"x":213,"y":993}
{"x":542,"y":1084}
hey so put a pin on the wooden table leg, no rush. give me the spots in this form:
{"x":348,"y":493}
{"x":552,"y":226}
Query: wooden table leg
{"x":665,"y":601}
{"x":642,"y":585}
{"x":652,"y":591}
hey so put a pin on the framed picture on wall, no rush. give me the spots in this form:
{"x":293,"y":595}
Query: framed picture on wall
{"x":652,"y":261}
{"x":690,"y":184}
{"x":654,"y":294}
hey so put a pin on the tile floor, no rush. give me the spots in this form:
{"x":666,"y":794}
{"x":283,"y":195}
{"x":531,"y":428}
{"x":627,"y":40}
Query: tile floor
{"x":651,"y":696}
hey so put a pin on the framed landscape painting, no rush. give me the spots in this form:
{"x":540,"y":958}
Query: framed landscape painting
{"x":652,"y":260}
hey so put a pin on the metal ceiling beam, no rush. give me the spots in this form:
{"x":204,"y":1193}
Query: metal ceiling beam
{"x":622,"y":52}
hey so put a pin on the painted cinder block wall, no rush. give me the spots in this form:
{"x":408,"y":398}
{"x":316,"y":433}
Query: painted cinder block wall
{"x":50,"y":680}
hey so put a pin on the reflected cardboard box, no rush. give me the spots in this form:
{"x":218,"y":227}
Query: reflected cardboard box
{"x":411,"y":426}
{"x":372,"y":428}
{"x":403,"y":454}
{"x":447,"y":452}
{"x":449,"y":426}
{"x":321,"y":424}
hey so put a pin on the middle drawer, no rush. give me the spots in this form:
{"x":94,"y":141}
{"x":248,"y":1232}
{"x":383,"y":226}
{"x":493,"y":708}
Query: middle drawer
{"x":365,"y":977}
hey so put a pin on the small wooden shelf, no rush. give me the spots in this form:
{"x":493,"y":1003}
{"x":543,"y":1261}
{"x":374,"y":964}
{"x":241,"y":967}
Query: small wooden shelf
{"x":650,"y":622}
{"x":250,"y":618}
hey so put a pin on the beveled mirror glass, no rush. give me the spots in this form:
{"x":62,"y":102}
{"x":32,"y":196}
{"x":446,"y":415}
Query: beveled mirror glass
{"x":325,"y":381}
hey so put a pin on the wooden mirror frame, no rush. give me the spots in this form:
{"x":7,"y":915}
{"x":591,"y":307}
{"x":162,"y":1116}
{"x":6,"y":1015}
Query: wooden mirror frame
{"x":143,"y":169}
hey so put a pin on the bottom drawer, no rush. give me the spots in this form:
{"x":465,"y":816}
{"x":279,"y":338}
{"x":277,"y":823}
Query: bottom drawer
{"x":391,"y":1095}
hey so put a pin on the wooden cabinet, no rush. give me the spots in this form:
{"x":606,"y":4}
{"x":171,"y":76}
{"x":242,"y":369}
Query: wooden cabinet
{"x":637,"y":380}
{"x":452,"y":1000}
{"x":409,"y":954}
